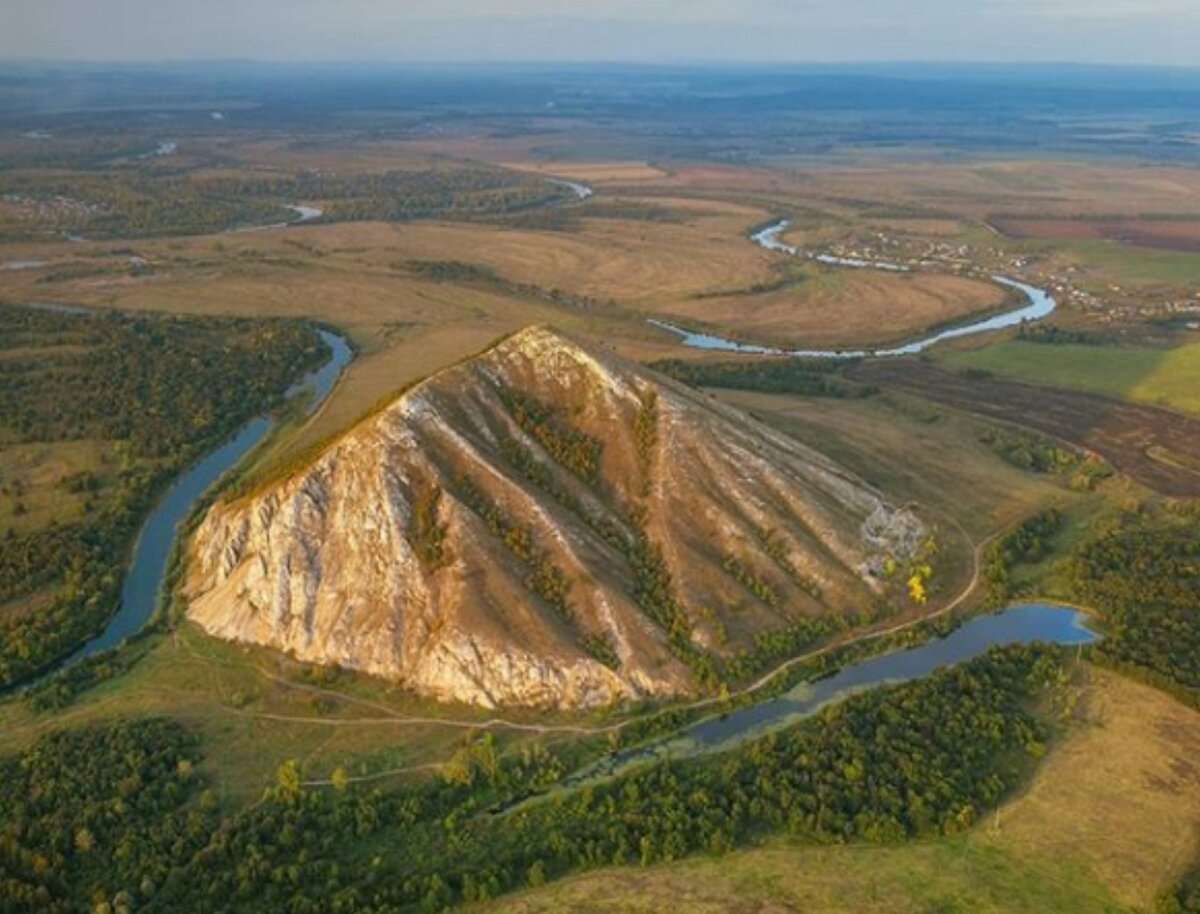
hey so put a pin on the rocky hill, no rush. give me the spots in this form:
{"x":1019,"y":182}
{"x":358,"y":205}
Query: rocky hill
{"x":544,"y":525}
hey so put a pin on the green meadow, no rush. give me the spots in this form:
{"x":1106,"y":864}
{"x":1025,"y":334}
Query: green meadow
{"x":1164,"y":377}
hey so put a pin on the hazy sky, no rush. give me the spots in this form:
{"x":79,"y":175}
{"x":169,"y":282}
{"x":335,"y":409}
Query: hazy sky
{"x":1111,"y":31}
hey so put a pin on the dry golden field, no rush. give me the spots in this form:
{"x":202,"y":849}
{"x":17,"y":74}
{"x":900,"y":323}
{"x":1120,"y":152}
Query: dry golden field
{"x":356,"y":276}
{"x":833,"y":307}
{"x":600,"y":270}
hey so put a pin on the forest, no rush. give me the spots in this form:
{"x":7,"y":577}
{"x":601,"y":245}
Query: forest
{"x":161,"y":391}
{"x":920,"y":759}
{"x":1143,"y":574}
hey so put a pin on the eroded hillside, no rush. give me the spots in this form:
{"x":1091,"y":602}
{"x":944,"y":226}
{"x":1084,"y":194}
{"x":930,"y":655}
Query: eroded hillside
{"x":546,"y":525}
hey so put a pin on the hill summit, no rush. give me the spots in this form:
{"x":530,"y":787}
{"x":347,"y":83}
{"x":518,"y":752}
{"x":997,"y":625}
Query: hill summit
{"x":544,"y":525}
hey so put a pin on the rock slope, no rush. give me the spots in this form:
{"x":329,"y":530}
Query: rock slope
{"x":544,"y":525}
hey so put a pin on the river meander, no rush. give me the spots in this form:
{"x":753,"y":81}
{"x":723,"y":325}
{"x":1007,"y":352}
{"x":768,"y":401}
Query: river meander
{"x":1038,"y":304}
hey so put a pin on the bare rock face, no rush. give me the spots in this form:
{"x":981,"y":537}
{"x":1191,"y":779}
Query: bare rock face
{"x":544,"y":525}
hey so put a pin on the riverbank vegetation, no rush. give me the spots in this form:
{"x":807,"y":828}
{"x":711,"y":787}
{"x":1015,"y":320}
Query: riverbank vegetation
{"x":153,"y":394}
{"x":926,"y":758}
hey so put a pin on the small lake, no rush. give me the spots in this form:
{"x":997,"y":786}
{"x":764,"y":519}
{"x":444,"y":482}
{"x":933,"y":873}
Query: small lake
{"x":144,"y":580}
{"x":1038,"y":304}
{"x":1021,"y":624}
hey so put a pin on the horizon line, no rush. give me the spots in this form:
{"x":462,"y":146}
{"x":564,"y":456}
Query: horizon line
{"x":681,"y":64}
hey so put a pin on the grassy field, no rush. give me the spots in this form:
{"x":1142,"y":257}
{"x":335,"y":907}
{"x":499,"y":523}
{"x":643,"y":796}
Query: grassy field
{"x":912,"y":450}
{"x":1105,"y":824}
{"x":952,"y":877}
{"x":256,"y":709}
{"x":1164,"y":377}
{"x":1114,"y":262}
{"x":1157,"y":447}
{"x":31,"y":481}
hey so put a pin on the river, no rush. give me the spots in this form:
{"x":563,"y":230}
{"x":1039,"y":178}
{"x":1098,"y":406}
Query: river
{"x":144,"y":580}
{"x":1020,"y":624}
{"x":1038,"y":304}
{"x":303,"y":213}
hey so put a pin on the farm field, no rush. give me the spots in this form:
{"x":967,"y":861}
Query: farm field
{"x":1163,"y":377}
{"x":1154,"y":446}
{"x":1166,"y":234}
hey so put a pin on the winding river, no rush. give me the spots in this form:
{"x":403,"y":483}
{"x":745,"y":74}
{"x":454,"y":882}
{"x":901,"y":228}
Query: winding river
{"x":144,"y":580}
{"x":1039,"y":303}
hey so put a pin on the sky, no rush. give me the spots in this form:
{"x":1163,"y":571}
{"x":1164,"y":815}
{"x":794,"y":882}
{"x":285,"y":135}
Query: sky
{"x":650,"y":31}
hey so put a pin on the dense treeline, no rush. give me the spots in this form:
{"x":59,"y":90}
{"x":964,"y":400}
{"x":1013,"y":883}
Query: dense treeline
{"x":466,"y":273}
{"x":1183,"y":898}
{"x":96,"y":819}
{"x":763,"y":589}
{"x":162,"y":391}
{"x":1144,"y":574}
{"x":789,"y":376}
{"x":923,"y":758}
{"x":130,"y":203}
